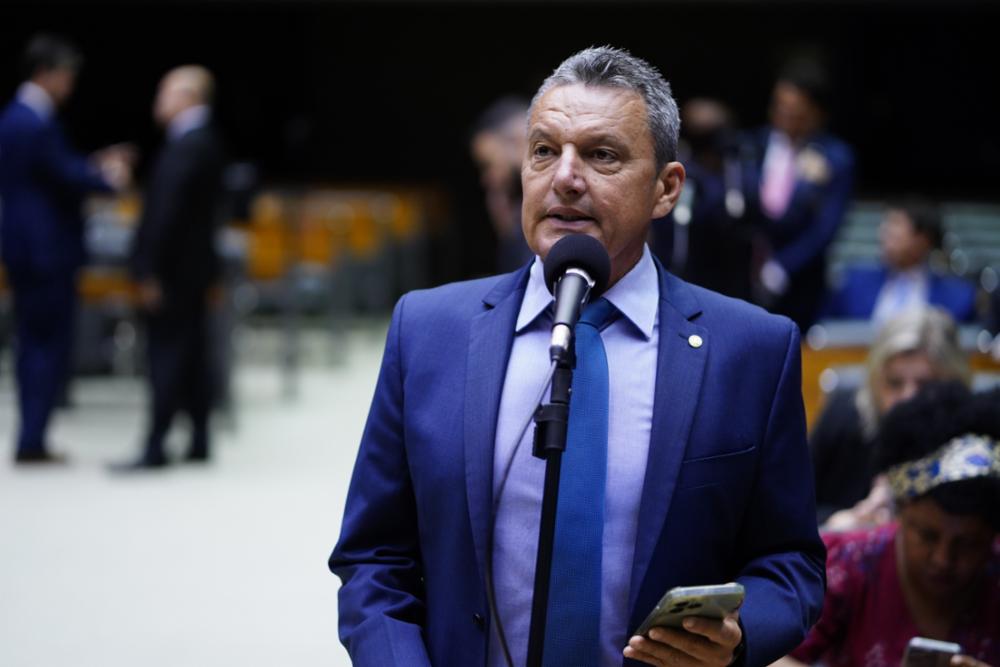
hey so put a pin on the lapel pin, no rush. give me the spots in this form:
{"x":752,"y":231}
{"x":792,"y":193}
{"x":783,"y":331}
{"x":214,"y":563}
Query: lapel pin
{"x":695,"y":341}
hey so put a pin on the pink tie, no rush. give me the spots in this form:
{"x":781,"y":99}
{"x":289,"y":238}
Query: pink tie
{"x":779,"y":177}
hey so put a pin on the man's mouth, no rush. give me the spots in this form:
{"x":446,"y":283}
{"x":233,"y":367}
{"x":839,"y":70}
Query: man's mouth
{"x":569,"y":216}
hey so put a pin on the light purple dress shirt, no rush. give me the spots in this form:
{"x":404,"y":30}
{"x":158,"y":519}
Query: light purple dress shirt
{"x":35,"y":98}
{"x":631,"y":346}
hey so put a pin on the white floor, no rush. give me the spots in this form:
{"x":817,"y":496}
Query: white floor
{"x":224,"y":565}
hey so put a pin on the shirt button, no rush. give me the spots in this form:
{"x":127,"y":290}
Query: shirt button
{"x":479,"y":621}
{"x":695,"y":341}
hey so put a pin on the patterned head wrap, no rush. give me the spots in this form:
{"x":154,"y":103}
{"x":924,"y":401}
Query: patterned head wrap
{"x":966,"y":457}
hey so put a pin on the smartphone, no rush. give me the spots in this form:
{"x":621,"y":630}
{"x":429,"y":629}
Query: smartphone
{"x":705,"y":601}
{"x":923,"y":652}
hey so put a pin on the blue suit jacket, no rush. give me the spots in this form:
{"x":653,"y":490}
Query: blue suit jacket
{"x":858,"y":294}
{"x":728,"y":491}
{"x":42,"y":182}
{"x":817,"y":207}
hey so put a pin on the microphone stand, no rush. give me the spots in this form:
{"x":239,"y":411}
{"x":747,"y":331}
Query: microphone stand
{"x":551,"y":426}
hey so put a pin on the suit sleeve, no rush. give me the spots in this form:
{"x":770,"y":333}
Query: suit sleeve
{"x":55,"y":162}
{"x":813,"y":240}
{"x":378,"y":555}
{"x":784,"y":573}
{"x":165,"y":197}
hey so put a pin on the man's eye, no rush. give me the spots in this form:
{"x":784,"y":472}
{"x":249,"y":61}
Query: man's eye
{"x":541,"y":151}
{"x":604,"y":155}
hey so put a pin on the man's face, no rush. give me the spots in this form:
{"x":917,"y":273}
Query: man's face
{"x":172,"y":97}
{"x":793,"y":113}
{"x":902,"y":246}
{"x":58,"y":83}
{"x":491,"y":155}
{"x":590,"y":169}
{"x":902,"y":377}
{"x":942,"y":554}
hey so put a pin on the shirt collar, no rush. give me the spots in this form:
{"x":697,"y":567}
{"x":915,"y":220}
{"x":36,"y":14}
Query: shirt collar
{"x":190,"y":119}
{"x":915,"y":274}
{"x":34,"y":97}
{"x":636,"y":295}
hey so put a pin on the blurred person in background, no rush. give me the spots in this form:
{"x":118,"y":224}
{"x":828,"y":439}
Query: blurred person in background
{"x":934,"y":571}
{"x":706,"y":239}
{"x":42,"y":186}
{"x":799,"y":180}
{"x":909,"y":233}
{"x":911,"y":350}
{"x":174,"y":262}
{"x":498,"y":145}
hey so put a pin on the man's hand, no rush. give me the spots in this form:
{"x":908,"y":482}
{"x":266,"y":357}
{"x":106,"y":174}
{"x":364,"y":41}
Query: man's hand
{"x":703,"y":641}
{"x":150,"y":295}
{"x":116,"y":164}
{"x":774,"y":278}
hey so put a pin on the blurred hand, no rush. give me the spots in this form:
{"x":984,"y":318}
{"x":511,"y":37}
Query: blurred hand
{"x":116,"y":173}
{"x":150,"y":295}
{"x":966,"y":661}
{"x":874,"y":510}
{"x":123,"y":152}
{"x":216,"y":296}
{"x":703,"y":641}
{"x":116,"y":163}
{"x":774,"y":278}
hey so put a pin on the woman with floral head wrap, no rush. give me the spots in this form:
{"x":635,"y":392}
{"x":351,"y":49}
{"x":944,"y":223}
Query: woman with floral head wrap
{"x":935,"y":571}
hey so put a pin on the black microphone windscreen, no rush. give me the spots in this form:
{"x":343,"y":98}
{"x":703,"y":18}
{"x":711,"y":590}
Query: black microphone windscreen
{"x":583,"y":252}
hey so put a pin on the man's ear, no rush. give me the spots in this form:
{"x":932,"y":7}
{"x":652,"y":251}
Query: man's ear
{"x":669,"y":183}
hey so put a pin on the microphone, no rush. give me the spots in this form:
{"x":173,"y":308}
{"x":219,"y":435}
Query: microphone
{"x":577,"y":269}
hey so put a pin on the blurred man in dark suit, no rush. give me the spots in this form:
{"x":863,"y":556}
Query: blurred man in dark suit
{"x":800,"y":182}
{"x":42,"y":184}
{"x":497,"y":146}
{"x":904,"y":280}
{"x":174,"y":262}
{"x":707,"y":238}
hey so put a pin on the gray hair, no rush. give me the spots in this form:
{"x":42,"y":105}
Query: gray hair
{"x":929,"y":330}
{"x":617,"y":68}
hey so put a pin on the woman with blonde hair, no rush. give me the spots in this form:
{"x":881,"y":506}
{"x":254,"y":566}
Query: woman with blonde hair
{"x":912,"y":349}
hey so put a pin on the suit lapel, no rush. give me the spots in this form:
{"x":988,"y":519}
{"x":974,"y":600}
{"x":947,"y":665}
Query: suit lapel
{"x":491,"y":334}
{"x":680,"y":369}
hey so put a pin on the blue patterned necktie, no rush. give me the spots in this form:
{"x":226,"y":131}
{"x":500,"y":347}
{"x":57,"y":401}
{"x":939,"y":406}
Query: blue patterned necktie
{"x":573,"y":626}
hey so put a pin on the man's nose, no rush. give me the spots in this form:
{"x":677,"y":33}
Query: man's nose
{"x":568,"y":181}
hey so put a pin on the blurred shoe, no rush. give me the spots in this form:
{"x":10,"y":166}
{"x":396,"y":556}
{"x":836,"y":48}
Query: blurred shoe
{"x":42,"y":457}
{"x":140,"y":465}
{"x":197,"y":456}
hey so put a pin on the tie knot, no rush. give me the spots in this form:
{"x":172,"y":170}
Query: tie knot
{"x":599,"y":314}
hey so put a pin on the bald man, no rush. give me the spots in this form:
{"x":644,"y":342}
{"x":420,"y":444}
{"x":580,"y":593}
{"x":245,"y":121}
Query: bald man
{"x":174,"y":262}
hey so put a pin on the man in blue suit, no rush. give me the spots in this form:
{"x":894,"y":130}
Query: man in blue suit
{"x":908,"y":234}
{"x":707,"y":473}
{"x":799,"y":180}
{"x":42,"y":182}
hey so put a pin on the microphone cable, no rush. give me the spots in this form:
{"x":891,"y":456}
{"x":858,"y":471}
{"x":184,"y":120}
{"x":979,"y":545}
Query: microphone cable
{"x":490,"y":590}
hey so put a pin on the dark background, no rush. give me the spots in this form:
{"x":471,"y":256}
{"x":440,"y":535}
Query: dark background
{"x":323,"y":92}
